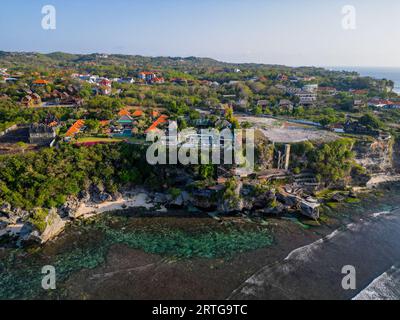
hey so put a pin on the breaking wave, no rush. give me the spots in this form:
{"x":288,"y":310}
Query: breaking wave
{"x":273,"y":276}
{"x":384,"y":287}
{"x":304,"y":252}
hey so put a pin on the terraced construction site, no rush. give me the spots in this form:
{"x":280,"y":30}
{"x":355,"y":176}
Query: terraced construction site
{"x":288,"y":132}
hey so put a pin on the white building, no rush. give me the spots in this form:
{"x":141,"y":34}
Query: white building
{"x":310,"y":88}
{"x":307,"y":97}
{"x":126,"y":80}
{"x":293,"y":90}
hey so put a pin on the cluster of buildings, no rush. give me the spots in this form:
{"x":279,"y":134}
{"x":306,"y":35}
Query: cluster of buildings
{"x":31,"y":99}
{"x":384,"y":103}
{"x":3,"y":74}
{"x":307,"y":95}
{"x":68,"y":97}
{"x":294,"y":79}
{"x":284,"y":104}
{"x":150,"y":77}
{"x":125,"y":125}
{"x":102,"y":85}
{"x":6,"y":77}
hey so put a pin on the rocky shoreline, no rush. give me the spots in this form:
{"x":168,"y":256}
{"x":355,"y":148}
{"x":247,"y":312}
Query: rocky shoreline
{"x":17,"y":226}
{"x":157,"y":275}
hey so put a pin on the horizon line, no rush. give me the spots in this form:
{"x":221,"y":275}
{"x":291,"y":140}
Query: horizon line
{"x":208,"y":57}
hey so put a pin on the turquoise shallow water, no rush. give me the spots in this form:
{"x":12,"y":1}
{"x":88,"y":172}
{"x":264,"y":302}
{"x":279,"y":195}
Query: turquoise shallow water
{"x":372,"y":247}
{"x":85,"y":245}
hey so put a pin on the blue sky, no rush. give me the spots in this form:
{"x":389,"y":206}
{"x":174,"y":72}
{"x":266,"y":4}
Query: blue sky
{"x":290,"y":32}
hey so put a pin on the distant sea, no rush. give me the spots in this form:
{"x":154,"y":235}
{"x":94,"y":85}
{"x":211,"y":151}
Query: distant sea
{"x":375,"y":72}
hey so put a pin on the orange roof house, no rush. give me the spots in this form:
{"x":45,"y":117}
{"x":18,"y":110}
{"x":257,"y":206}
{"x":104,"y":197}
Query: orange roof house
{"x":40,"y":82}
{"x":162,"y":119}
{"x":75,"y":128}
{"x":104,"y":126}
{"x":138,"y":113}
{"x":155,"y":113}
{"x":124,"y":112}
{"x":359,"y":92}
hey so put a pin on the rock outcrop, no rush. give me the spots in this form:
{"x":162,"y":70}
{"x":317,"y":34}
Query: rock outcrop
{"x":375,"y":154}
{"x":54,"y":226}
{"x":204,"y":199}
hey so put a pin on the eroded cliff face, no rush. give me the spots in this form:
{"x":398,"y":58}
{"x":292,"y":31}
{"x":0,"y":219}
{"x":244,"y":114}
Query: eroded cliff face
{"x":376,"y":154}
{"x":396,"y":156}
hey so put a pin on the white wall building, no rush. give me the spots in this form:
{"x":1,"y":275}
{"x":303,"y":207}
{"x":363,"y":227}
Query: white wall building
{"x":310,"y":88}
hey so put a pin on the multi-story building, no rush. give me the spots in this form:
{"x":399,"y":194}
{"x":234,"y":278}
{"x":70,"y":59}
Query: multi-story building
{"x":307,"y":98}
{"x":310,"y":88}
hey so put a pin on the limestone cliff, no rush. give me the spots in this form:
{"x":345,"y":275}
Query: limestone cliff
{"x":375,"y":154}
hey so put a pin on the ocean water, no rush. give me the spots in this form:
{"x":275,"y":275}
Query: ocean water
{"x":376,"y":72}
{"x":314,"y":271}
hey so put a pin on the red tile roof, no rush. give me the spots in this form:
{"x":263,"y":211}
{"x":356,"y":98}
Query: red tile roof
{"x":40,"y":81}
{"x":75,"y":128}
{"x":105,"y":82}
{"x":160,"y":120}
{"x":138,"y":113}
{"x":124,"y":112}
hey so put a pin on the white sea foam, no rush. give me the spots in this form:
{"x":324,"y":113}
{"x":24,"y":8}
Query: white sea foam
{"x":304,"y":253}
{"x":378,"y":214}
{"x":384,"y":287}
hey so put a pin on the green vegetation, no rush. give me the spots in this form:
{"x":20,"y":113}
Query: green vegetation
{"x":96,"y":139}
{"x":371,"y":121}
{"x":38,"y":219}
{"x":333,"y":161}
{"x":45,"y":178}
{"x":12,"y":113}
{"x":195,"y":89}
{"x":175,"y":192}
{"x":230,"y":193}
